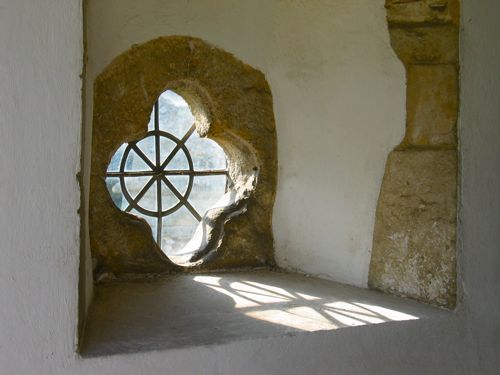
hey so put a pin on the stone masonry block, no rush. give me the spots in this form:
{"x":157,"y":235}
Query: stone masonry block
{"x":415,"y":230}
{"x":432,"y":105}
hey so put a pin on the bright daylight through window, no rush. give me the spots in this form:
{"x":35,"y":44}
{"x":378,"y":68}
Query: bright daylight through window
{"x":171,"y":177}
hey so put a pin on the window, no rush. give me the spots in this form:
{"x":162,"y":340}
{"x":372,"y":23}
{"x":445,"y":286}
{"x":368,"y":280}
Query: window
{"x":170,"y":177}
{"x":230,"y":103}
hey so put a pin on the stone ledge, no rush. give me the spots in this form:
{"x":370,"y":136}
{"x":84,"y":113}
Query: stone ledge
{"x":215,"y":308}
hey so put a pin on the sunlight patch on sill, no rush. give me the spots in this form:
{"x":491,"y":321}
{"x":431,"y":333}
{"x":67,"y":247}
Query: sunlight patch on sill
{"x":204,"y":309}
{"x":298,"y":310}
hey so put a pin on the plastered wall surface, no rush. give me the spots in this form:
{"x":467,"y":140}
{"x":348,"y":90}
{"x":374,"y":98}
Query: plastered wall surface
{"x":40,"y":127}
{"x":339,"y":103}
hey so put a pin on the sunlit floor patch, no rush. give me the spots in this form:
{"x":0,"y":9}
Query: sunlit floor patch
{"x":269,"y":301}
{"x":190,"y":310}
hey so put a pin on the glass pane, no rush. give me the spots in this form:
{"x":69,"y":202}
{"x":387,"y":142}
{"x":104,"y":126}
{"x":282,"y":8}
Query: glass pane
{"x":114,"y":165}
{"x":207,"y":190}
{"x":177,"y":231}
{"x":148,"y":200}
{"x":151,"y":123}
{"x":206,"y":154}
{"x":147,"y":146}
{"x":135,"y":184}
{"x":135,"y":163}
{"x":180,"y":182}
{"x":152,"y":221}
{"x":175,"y":115}
{"x":115,"y":191}
{"x":166,"y":147}
{"x":168,"y":198}
{"x":178,"y":162}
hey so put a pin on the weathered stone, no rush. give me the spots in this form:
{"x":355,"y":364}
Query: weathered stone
{"x":414,"y":249}
{"x":425,"y":44}
{"x":424,"y":31}
{"x":232,"y":104}
{"x":432,"y":105}
{"x":410,"y":12}
{"x":415,"y":229}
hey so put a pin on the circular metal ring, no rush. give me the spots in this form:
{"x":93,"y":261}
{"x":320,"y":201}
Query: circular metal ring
{"x":179,"y":146}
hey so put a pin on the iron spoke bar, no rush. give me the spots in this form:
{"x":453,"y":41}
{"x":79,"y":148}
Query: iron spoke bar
{"x":140,"y":195}
{"x":194,"y":173}
{"x":188,"y":133}
{"x":131,"y":174}
{"x":178,"y":147}
{"x":157,"y":136}
{"x":158,"y":182}
{"x":159,"y":209}
{"x":167,"y":173}
{"x":181,"y":198}
{"x":143,"y":157}
{"x":157,"y":117}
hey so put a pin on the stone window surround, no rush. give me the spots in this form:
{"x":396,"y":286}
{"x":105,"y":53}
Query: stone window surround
{"x":232,"y":104}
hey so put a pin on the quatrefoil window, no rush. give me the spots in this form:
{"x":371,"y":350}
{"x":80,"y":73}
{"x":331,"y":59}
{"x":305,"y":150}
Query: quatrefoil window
{"x":170,"y":177}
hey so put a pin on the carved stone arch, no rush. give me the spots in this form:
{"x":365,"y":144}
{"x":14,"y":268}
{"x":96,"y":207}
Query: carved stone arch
{"x":232,"y":104}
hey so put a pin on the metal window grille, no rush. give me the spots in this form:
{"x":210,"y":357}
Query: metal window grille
{"x":159,"y":173}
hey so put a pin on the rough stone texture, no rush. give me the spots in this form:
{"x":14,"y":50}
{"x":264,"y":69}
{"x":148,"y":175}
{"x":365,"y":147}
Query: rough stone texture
{"x":432,"y":105}
{"x":415,"y":230}
{"x":414,"y":244}
{"x":232,"y":104}
{"x":424,"y":31}
{"x":425,"y":44}
{"x":418,"y":12}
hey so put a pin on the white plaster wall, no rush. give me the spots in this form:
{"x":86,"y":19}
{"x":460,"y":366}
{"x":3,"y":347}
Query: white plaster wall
{"x":339,"y":99}
{"x":40,"y":128}
{"x":40,"y":53}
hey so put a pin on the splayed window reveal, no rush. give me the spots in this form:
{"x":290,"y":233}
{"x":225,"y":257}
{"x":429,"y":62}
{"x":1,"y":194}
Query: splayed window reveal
{"x":170,"y":178}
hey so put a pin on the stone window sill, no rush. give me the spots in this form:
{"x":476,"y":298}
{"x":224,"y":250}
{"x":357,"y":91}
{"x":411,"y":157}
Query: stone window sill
{"x":216,"y":308}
